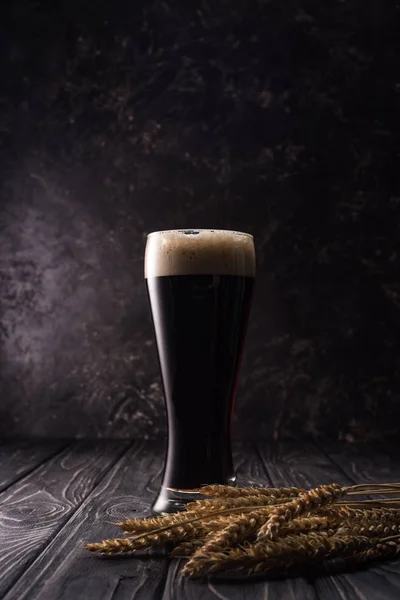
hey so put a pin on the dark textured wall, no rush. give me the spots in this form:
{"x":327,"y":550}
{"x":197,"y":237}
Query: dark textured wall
{"x":277,"y":118}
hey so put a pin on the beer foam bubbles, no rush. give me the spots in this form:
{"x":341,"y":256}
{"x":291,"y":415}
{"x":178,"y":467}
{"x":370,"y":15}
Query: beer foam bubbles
{"x":199,"y":252}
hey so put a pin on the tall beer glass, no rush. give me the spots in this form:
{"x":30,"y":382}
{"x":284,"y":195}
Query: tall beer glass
{"x":200,"y":285}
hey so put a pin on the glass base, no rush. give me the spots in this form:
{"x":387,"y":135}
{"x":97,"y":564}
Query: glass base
{"x":172,"y":500}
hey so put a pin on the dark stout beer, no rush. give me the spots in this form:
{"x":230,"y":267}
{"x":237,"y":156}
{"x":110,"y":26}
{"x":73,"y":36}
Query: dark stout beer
{"x":199,"y":320}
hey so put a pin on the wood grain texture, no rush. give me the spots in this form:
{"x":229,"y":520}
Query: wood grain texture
{"x":36,"y":507}
{"x":18,"y":458}
{"x":48,"y":515}
{"x":304,"y":464}
{"x":299,"y":464}
{"x":365,"y":463}
{"x":66,"y":571}
{"x":250,"y":471}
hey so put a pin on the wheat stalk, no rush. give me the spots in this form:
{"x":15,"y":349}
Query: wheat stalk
{"x":268,"y":529}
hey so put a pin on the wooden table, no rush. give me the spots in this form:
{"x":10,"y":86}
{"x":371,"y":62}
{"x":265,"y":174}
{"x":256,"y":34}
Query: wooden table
{"x":56,"y":495}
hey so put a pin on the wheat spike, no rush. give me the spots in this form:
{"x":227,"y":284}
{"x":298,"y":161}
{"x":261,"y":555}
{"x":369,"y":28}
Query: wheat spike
{"x":236,"y":531}
{"x":223,"y":503}
{"x":186,"y":549}
{"x":380,"y":551}
{"x":303,"y":524}
{"x":241,"y":492}
{"x":368,"y":528}
{"x":210,"y":511}
{"x":141,"y":542}
{"x":138,"y":526}
{"x":336,"y":511}
{"x":264,"y":556}
{"x":373,"y":514}
{"x":305,"y":503}
{"x":163,"y":534}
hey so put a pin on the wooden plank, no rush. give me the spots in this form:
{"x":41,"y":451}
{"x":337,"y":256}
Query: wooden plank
{"x":66,"y":571}
{"x":250,"y":471}
{"x":365,"y":463}
{"x":18,"y":458}
{"x":299,"y":464}
{"x":305,"y":465}
{"x":33,"y":509}
{"x":178,"y":588}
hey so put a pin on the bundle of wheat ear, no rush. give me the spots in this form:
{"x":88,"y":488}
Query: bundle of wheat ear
{"x":270,"y":530}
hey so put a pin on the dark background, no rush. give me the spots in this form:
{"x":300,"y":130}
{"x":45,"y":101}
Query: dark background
{"x":277,"y":118}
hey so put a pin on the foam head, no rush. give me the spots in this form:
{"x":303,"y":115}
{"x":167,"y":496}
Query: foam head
{"x":199,"y":252}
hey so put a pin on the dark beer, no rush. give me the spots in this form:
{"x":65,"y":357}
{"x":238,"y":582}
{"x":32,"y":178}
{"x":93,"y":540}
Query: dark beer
{"x":199,"y":321}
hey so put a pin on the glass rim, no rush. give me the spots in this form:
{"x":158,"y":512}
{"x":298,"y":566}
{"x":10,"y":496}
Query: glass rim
{"x":188,"y":231}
